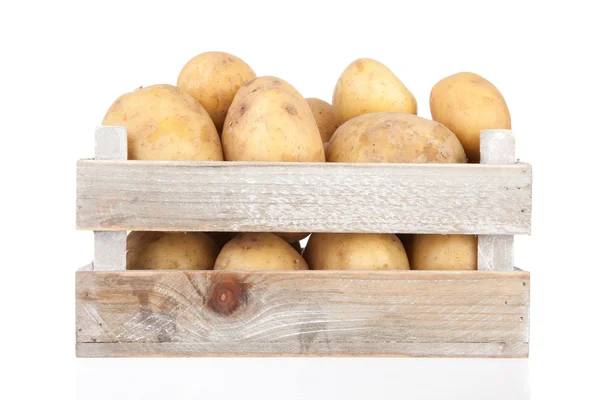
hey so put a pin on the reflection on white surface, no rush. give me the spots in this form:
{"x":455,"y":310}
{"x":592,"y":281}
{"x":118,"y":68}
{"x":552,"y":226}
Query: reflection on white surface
{"x":302,"y":378}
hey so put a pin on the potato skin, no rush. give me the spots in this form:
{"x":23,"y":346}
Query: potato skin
{"x":394,"y":137}
{"x":325,"y":117}
{"x":270,"y":121}
{"x":355,"y":251}
{"x":466,"y":103}
{"x":213,"y":79}
{"x":443,"y":252}
{"x":368,"y":86}
{"x":259,"y":252}
{"x":170,"y":250}
{"x":270,"y":82}
{"x":165,"y":123}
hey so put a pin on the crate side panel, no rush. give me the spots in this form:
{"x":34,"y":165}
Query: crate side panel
{"x":199,"y":313}
{"x":304,"y":197}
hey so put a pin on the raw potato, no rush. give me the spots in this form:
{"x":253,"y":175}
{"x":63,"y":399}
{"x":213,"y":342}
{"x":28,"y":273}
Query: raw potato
{"x":165,"y":123}
{"x":259,"y":252}
{"x":213,"y":79}
{"x":393,"y":137}
{"x":270,"y":121}
{"x":368,"y":86}
{"x":292,"y":237}
{"x":355,"y":251}
{"x":443,"y":252}
{"x":137,"y":239}
{"x":326,"y":120}
{"x":170,"y":250}
{"x":270,"y":82}
{"x":466,"y":103}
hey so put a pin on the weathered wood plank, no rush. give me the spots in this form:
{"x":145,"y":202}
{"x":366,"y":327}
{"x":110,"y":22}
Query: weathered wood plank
{"x":396,"y":313}
{"x":367,"y":349}
{"x":496,"y":252}
{"x":110,"y":247}
{"x":304,"y":197}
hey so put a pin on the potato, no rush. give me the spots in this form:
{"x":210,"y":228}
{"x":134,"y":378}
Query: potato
{"x":447,"y":252}
{"x":466,"y":103}
{"x":270,"y":121}
{"x":259,"y":251}
{"x":326,"y":120}
{"x":165,"y":123}
{"x":137,"y":239}
{"x":213,"y":79}
{"x":170,"y":250}
{"x":355,"y":251}
{"x":394,"y":137}
{"x":292,"y":237}
{"x":270,"y":82}
{"x":368,"y":86}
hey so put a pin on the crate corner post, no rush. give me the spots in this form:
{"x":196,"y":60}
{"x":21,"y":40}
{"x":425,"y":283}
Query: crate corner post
{"x":110,"y":246}
{"x":496,"y":252}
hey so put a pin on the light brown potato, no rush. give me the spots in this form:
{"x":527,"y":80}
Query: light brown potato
{"x":466,"y":103}
{"x":170,"y":250}
{"x":393,"y":137}
{"x":259,"y":252}
{"x":443,"y":252}
{"x":368,"y":86}
{"x":165,"y":123}
{"x":292,"y":237}
{"x":270,"y":121}
{"x":326,"y":120}
{"x":213,"y":79}
{"x":355,"y":251}
{"x":270,"y":82}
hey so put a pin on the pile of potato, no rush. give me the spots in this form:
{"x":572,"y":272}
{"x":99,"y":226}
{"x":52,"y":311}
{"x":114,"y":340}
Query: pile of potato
{"x":221,"y":111}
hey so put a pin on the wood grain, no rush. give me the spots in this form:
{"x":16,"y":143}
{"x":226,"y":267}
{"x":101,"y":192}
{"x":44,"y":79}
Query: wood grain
{"x":321,"y":313}
{"x":496,"y":252}
{"x":303,"y":197}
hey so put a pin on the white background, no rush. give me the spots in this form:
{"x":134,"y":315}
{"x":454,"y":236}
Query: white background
{"x":64,"y":63}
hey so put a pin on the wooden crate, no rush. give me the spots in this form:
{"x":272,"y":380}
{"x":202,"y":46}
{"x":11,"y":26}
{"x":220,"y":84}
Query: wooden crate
{"x":482,"y":313}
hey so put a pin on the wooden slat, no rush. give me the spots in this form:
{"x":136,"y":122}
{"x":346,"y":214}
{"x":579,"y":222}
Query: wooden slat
{"x":110,"y":247}
{"x":354,"y":313}
{"x":496,"y":252}
{"x":304,"y":197}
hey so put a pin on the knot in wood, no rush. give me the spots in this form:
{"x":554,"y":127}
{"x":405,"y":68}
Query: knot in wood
{"x":226,"y":296}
